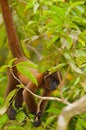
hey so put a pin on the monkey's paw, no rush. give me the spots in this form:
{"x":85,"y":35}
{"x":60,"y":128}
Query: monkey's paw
{"x":11,"y":113}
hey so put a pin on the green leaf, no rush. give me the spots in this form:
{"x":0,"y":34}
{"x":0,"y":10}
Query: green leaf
{"x":7,"y":102}
{"x":72,"y":63}
{"x":53,"y":41}
{"x":20,"y":10}
{"x":81,"y":9}
{"x":44,"y":65}
{"x":2,"y":77}
{"x":15,"y":127}
{"x":29,"y":6}
{"x":77,"y":80}
{"x":80,"y":53}
{"x":3,"y":120}
{"x":50,"y":120}
{"x":10,"y":63}
{"x":27,"y":64}
{"x":58,"y":10}
{"x":55,"y":68}
{"x":75,"y":68}
{"x":74,"y":4}
{"x":24,"y":69}
{"x":36,"y":6}
{"x":82,"y":42}
{"x":54,"y":110}
{"x":20,"y":117}
{"x":3,"y":68}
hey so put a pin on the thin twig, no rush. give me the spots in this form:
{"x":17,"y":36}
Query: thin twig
{"x":37,"y":53}
{"x":61,"y":85}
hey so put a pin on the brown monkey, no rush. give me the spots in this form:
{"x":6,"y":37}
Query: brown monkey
{"x":48,"y":81}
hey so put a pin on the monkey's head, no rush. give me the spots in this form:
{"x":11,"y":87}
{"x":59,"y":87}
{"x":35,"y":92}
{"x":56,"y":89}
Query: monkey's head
{"x":52,"y":80}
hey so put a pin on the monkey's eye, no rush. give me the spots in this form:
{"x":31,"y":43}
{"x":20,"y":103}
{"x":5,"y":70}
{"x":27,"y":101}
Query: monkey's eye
{"x":53,"y":83}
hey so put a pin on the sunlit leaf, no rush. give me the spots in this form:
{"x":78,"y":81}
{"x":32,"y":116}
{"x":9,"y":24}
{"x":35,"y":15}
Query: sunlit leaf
{"x":2,"y":77}
{"x":54,"y":110}
{"x":77,"y":80}
{"x":7,"y":102}
{"x":36,"y":7}
{"x":3,"y":120}
{"x":72,"y":63}
{"x":53,"y":69}
{"x":77,"y":3}
{"x":10,"y":63}
{"x":27,"y":64}
{"x":3,"y":68}
{"x":50,"y":120}
{"x":75,"y":68}
{"x":20,"y":117}
{"x":24,"y":69}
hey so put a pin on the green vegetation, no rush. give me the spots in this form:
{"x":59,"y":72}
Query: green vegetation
{"x":52,"y":34}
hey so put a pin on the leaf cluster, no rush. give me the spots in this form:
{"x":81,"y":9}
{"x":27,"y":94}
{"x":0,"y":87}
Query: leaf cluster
{"x":52,"y":34}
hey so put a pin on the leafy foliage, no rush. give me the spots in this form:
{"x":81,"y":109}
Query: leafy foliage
{"x":23,"y":69}
{"x":53,"y":35}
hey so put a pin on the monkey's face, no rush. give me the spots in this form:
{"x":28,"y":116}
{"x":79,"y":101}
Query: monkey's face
{"x":52,"y":80}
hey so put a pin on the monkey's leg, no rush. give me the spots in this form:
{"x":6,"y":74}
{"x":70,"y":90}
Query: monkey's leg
{"x":29,"y":98}
{"x":18,"y":99}
{"x":41,"y":107}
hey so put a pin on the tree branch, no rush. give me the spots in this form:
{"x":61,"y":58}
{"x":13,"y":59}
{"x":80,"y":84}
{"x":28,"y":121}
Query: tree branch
{"x":69,"y":111}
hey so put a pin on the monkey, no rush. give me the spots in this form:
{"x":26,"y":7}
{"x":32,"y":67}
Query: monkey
{"x":47,"y":81}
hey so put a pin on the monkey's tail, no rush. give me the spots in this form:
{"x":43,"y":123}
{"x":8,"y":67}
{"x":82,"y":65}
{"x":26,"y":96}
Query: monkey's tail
{"x":11,"y":31}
